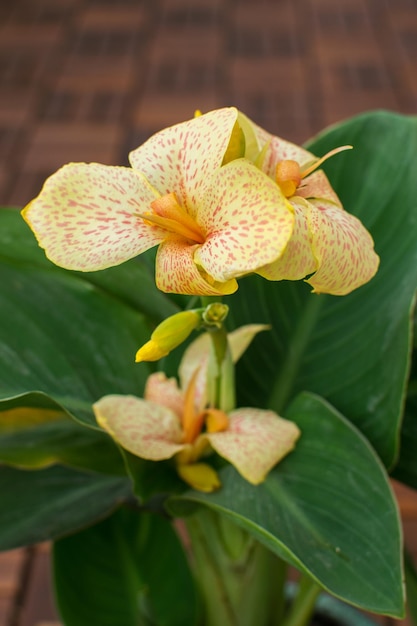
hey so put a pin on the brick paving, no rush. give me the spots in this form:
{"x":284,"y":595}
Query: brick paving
{"x":89,"y":80}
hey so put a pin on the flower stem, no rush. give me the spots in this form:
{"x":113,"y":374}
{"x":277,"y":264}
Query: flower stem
{"x":239,"y":578}
{"x":302,"y":606}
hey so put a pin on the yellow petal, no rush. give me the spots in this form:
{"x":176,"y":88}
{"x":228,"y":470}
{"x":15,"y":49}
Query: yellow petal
{"x":298,"y":259}
{"x":177,"y":272}
{"x":255,"y":441}
{"x":344,"y":250}
{"x":247,"y":221}
{"x":86,"y":216}
{"x":146,"y":429}
{"x":200,"y":476}
{"x":179,"y":159}
{"x":164,"y":391}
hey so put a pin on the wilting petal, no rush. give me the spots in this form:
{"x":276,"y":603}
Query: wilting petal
{"x":298,"y":259}
{"x":241,"y":338}
{"x":247,"y":221}
{"x":148,"y":430}
{"x":254,"y":442}
{"x":344,"y":250}
{"x":179,"y":159}
{"x":317,"y":185}
{"x":86,"y":216}
{"x":199,"y":476}
{"x":164,"y":391}
{"x":177,"y":272}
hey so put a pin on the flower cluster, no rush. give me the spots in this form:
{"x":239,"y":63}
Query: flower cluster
{"x":221,"y":198}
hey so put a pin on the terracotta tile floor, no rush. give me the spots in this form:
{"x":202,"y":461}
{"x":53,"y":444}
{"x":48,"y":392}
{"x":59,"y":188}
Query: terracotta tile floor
{"x":91,"y":79}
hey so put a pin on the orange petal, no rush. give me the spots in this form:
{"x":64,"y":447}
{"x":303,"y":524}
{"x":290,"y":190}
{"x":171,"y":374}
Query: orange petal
{"x":86,"y":216}
{"x":254,"y":442}
{"x":148,"y":430}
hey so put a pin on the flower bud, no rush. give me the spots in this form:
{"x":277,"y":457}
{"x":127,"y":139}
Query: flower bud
{"x":168,"y":335}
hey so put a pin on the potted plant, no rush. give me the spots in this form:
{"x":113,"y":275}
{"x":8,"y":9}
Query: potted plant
{"x":261,"y":420}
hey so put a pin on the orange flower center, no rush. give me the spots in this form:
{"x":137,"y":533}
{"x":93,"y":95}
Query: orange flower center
{"x":169,"y":215}
{"x":288,"y":173}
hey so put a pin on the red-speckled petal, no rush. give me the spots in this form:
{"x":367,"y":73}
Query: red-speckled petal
{"x":179,"y":159}
{"x":344,"y":250}
{"x":148,"y":430}
{"x":247,"y":221}
{"x":298,"y":259}
{"x":86,"y":216}
{"x":176,"y":272}
{"x":164,"y":391}
{"x":317,"y":185}
{"x":254,"y":442}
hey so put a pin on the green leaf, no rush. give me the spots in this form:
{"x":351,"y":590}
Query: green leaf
{"x":60,"y":335}
{"x":129,"y":569}
{"x":61,"y":441}
{"x":411,"y":589}
{"x":352,"y":350}
{"x":328,"y":509}
{"x":49,"y":503}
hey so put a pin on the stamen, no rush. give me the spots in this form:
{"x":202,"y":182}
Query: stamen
{"x":191,"y":422}
{"x":170,"y":216}
{"x":324,"y":158}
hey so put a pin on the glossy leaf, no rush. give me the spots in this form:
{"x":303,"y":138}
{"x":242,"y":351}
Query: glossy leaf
{"x":139,"y":570}
{"x":352,"y":350}
{"x":328,"y":509}
{"x":62,"y":441}
{"x":50,"y":503}
{"x":61,"y":335}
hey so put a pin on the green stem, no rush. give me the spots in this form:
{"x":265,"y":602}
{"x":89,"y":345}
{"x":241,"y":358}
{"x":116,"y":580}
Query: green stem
{"x":239,"y":579}
{"x":302,"y":607}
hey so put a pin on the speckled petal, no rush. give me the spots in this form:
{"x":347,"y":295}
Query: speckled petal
{"x":148,"y":430}
{"x":177,"y":272}
{"x":298,"y":259}
{"x":344,"y":250}
{"x":86,"y":216}
{"x":317,"y":185}
{"x":164,"y":391}
{"x":254,"y":442}
{"x":247,"y":221}
{"x":179,"y":159}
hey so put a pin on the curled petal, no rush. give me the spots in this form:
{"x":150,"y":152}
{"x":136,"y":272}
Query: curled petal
{"x":164,"y":391}
{"x":254,"y":442}
{"x":177,"y":272}
{"x":317,"y":185}
{"x":86,"y":216}
{"x":148,"y":430}
{"x":179,"y":159}
{"x":298,"y":259}
{"x":199,"y":476}
{"x":344,"y":250}
{"x":247,"y":221}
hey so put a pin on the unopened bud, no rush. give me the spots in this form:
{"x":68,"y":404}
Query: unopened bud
{"x":171,"y":333}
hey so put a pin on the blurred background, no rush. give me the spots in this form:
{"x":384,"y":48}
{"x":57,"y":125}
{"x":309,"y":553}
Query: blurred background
{"x":88,"y":80}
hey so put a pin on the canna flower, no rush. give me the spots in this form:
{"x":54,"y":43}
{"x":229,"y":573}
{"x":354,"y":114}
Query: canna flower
{"x":327,"y":243}
{"x":213,"y":215}
{"x":174,"y":422}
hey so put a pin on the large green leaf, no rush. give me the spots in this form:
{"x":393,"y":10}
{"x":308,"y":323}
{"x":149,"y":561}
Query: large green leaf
{"x":50,"y":503}
{"x":352,"y":350}
{"x":130,"y":569}
{"x":328,"y":509}
{"x":60,"y":334}
{"x":64,"y":442}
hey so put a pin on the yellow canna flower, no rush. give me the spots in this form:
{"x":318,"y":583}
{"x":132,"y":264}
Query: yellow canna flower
{"x":214,"y":217}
